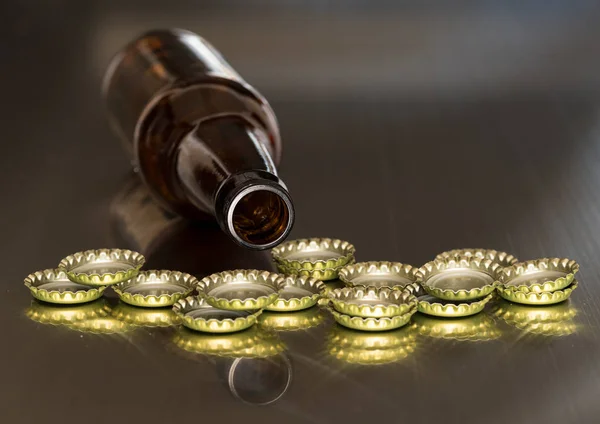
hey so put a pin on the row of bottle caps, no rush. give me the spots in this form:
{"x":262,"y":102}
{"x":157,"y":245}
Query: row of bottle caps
{"x":457,"y":283}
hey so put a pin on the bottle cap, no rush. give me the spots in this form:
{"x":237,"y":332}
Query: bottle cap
{"x":534,"y":298}
{"x":298,"y":293}
{"x":431,"y":305}
{"x":216,"y":344}
{"x":197,"y":314}
{"x":501,"y":258}
{"x":102,"y":267}
{"x":155,"y":289}
{"x":53,"y":286}
{"x":242,"y":289}
{"x":540,"y":275}
{"x":145,"y":317}
{"x":320,"y":258}
{"x":372,"y":324}
{"x":372,"y":302}
{"x":326,"y":274}
{"x":66,"y":315}
{"x":478,"y":327}
{"x":459,"y":278}
{"x":379,"y":274}
{"x":291,"y":321}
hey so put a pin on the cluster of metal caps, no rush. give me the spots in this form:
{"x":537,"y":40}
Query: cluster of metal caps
{"x":379,"y":295}
{"x":456,"y":283}
{"x":359,"y":307}
{"x":226,"y":302}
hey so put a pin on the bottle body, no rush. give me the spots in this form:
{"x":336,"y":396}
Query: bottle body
{"x":203,"y":140}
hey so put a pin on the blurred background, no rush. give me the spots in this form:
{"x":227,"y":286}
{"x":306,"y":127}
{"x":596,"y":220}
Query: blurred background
{"x":409,"y":128}
{"x":406,"y":92}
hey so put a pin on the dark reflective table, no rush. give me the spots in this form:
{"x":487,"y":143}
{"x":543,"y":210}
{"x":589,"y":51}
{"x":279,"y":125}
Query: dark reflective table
{"x":408,"y":129}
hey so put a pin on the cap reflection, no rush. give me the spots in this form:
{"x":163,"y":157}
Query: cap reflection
{"x":94,"y":317}
{"x":291,"y":321}
{"x":552,"y":320}
{"x":145,"y":317}
{"x":364,"y":348}
{"x":478,"y":327}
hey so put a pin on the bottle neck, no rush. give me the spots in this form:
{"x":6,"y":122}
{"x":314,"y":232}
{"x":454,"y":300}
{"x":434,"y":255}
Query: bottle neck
{"x":225,"y":169}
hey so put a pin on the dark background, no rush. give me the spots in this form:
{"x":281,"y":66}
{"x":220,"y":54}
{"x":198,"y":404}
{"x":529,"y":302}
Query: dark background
{"x":409,"y":128}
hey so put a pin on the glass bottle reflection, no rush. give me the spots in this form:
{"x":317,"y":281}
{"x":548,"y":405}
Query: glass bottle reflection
{"x":252,"y":364}
{"x":257,"y":381}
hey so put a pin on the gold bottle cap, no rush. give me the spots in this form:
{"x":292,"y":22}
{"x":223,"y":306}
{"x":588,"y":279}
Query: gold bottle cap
{"x":501,"y":258}
{"x":380,"y":274}
{"x":540,"y":275}
{"x":216,"y":344}
{"x":102,"y":267}
{"x":326,"y":274}
{"x":459,"y":278}
{"x":291,"y":321}
{"x":372,"y":302}
{"x":431,"y":305}
{"x":242,"y":289}
{"x":298,"y":293}
{"x":53,"y":286}
{"x":319,"y":258}
{"x":155,"y":289}
{"x":66,"y":315}
{"x":534,"y":298}
{"x":143,"y":317}
{"x":372,"y":324}
{"x":197,"y":314}
{"x":478,"y":327}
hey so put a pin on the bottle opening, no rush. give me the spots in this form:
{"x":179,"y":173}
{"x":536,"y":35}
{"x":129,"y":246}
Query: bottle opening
{"x":261,"y":218}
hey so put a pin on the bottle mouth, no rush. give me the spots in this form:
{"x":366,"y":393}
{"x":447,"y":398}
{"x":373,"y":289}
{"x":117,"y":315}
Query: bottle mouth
{"x":260,"y":216}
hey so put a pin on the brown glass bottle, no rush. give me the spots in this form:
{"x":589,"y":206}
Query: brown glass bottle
{"x":204,"y":141}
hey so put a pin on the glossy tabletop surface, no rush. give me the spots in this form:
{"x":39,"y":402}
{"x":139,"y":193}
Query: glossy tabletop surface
{"x":408,"y":129}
